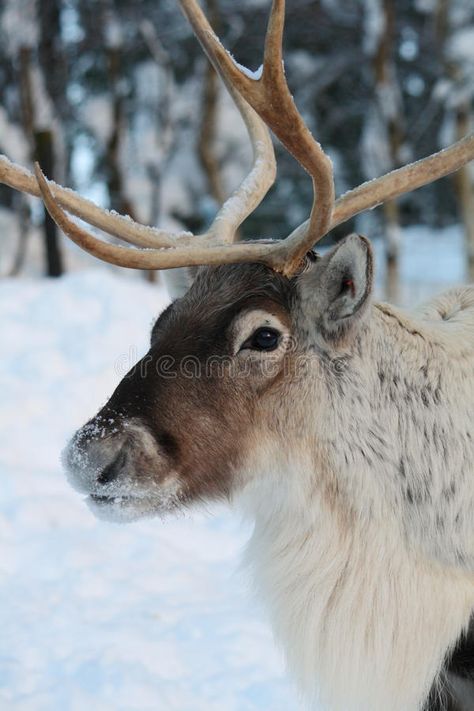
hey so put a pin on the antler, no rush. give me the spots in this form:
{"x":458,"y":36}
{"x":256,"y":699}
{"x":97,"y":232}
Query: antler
{"x":269,"y":95}
{"x":262,"y":98}
{"x":233,"y":212}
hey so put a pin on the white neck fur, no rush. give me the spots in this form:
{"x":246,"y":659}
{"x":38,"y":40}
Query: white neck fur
{"x":364,"y":626}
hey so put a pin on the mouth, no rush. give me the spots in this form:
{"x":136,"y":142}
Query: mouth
{"x":119,"y":509}
{"x":125,"y":508}
{"x":109,"y":499}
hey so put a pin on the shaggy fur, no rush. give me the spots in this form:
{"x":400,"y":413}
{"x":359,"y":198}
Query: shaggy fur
{"x":353,"y":456}
{"x":364,"y":546}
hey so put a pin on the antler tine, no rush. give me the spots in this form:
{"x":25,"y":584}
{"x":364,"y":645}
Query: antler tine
{"x":269,"y":95}
{"x":396,"y":183}
{"x":253,"y":188}
{"x":233,"y":212}
{"x":21,"y":179}
{"x":221,"y":232}
{"x":296,"y":137}
{"x":166,"y":258}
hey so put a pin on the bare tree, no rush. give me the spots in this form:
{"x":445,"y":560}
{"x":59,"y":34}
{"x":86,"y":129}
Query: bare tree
{"x":384,"y":140}
{"x":207,"y":128}
{"x":42,"y":149}
{"x":164,"y":132}
{"x":460,"y":102}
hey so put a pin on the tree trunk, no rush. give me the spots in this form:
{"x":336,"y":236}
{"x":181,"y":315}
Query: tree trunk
{"x":22,"y":212}
{"x":45,"y":157}
{"x":465,"y":190}
{"x":385,"y":83}
{"x":41,"y":146}
{"x":463,"y":120}
{"x":207,"y":129}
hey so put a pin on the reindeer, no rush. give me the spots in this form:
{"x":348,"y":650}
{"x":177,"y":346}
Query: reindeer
{"x":341,"y":427}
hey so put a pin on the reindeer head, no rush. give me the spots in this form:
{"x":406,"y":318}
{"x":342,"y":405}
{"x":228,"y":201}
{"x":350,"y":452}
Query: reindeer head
{"x":184,"y":423}
{"x":226,"y":365}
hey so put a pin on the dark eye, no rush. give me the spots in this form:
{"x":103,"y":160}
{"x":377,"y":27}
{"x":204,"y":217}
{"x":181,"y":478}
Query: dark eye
{"x":263,"y":339}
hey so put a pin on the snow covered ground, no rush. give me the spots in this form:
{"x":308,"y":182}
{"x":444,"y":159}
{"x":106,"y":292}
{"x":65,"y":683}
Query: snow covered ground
{"x":103,"y":617}
{"x":92,"y":615}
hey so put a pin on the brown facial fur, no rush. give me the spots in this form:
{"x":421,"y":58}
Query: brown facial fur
{"x":189,"y":390}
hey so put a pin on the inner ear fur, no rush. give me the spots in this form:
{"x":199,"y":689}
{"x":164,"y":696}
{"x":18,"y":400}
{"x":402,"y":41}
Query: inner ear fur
{"x":337,"y":290}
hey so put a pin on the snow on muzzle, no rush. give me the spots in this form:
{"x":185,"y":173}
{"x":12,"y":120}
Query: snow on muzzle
{"x":121,"y":468}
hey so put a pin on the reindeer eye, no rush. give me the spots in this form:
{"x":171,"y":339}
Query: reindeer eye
{"x":263,"y":339}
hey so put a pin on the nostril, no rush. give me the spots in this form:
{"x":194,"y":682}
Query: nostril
{"x":167,"y":443}
{"x":112,"y":470}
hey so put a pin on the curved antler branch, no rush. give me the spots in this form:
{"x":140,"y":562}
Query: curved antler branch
{"x":243,"y":201}
{"x":270,"y":96}
{"x":21,"y":179}
{"x":233,"y":212}
{"x":167,"y":258}
{"x":400,"y":181}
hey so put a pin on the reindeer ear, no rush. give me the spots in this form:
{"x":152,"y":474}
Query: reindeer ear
{"x":337,"y":290}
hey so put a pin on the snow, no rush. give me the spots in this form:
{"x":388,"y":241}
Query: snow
{"x":97,"y":115}
{"x":149,"y":616}
{"x":19,"y":24}
{"x":461,"y":45}
{"x":374,"y":25}
{"x":13,"y":138}
{"x":375,"y":152}
{"x":44,"y":108}
{"x":153,"y":615}
{"x":430,"y":261}
{"x":250,"y":73}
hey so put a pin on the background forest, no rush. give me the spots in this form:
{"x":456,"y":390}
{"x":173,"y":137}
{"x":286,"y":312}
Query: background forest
{"x":117,"y":100}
